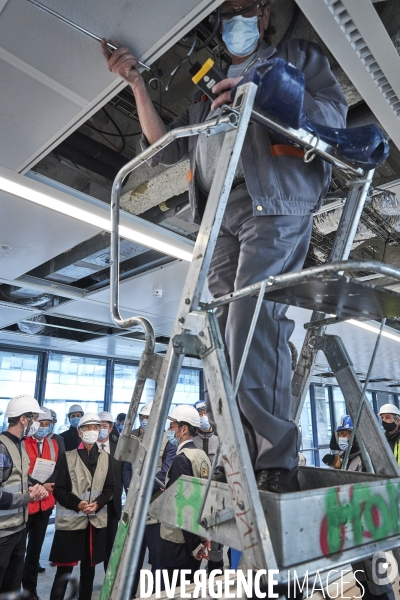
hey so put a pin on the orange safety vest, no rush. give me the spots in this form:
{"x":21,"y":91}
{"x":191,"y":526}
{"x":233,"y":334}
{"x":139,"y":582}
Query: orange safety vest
{"x":32,"y":449}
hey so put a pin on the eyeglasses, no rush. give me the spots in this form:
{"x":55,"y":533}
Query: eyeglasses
{"x":244,"y":10}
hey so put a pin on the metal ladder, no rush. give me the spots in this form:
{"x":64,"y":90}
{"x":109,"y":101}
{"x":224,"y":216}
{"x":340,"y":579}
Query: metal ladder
{"x":234,"y":513}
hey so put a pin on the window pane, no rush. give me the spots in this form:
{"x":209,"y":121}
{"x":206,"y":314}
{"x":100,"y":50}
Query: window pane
{"x":124,"y":382}
{"x":17,"y":376}
{"x":306,"y":428}
{"x":338,"y":404}
{"x":188,"y":387}
{"x":74,"y":380}
{"x":323,"y":415}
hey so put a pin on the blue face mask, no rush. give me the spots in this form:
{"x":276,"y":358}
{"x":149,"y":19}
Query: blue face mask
{"x":171,"y":437}
{"x":241,"y":35}
{"x":103,"y":433}
{"x":75,"y":421}
{"x":51,"y":428}
{"x":42,"y":432}
{"x":204,"y":423}
{"x":120,"y":428}
{"x":143,"y":424}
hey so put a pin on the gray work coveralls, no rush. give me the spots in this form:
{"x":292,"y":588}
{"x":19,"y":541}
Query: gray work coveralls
{"x":265,"y":231}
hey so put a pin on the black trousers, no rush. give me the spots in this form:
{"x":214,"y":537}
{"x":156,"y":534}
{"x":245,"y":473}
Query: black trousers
{"x":86,"y":579}
{"x":152,"y":541}
{"x":112,"y":528}
{"x":193,"y":565}
{"x":36,"y":531}
{"x":12,"y":552}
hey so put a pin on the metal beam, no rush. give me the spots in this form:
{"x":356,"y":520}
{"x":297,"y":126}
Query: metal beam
{"x":356,"y":36}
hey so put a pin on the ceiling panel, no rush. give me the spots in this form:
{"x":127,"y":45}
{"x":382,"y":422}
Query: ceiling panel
{"x":35,"y":234}
{"x":12,"y":314}
{"x":53,"y":77}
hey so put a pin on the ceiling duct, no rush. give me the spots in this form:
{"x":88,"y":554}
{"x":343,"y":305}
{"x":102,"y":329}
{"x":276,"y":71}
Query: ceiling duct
{"x":15,"y":295}
{"x":34,"y":325}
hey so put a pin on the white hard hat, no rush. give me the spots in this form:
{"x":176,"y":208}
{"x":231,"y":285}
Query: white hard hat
{"x":53,"y":414}
{"x":145,"y":412}
{"x":75,"y":408}
{"x":89,"y":419}
{"x":45,"y":414}
{"x":390,"y":409}
{"x":185,"y":413}
{"x":20,"y":405}
{"x":106,"y":416}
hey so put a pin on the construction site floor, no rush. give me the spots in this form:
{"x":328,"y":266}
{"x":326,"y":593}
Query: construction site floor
{"x":45,"y":580}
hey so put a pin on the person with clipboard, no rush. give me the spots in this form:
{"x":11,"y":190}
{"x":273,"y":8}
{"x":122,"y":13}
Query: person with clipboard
{"x":43,"y":456}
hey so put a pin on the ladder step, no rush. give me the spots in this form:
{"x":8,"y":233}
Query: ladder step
{"x":340,"y":296}
{"x":337,"y":517}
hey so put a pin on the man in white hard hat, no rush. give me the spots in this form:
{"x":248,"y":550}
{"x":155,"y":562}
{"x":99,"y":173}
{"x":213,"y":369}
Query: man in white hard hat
{"x":390,"y":415}
{"x":39,"y":446}
{"x":71,"y":436}
{"x":15,"y":490}
{"x":84,"y":486}
{"x":151,"y":539}
{"x":181,"y":549}
{"x":114,"y":506}
{"x":51,"y":435}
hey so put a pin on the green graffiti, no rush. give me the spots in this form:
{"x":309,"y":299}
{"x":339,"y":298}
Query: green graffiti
{"x":365,"y":514}
{"x":193,"y":501}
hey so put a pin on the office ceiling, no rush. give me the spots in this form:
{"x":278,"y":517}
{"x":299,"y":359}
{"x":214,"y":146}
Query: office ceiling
{"x":53,"y":80}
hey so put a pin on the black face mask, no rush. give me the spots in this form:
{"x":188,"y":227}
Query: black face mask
{"x":389,"y":426}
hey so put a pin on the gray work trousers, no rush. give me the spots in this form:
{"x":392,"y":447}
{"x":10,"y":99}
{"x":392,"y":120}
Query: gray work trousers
{"x":250,"y":249}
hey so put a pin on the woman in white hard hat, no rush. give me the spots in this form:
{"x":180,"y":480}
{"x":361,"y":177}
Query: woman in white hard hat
{"x":83,"y":487}
{"x":390,"y":415}
{"x":71,"y":436}
{"x":181,"y":549}
{"x":15,"y":489}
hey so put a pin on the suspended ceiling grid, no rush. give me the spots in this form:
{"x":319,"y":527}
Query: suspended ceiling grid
{"x":54,"y":77}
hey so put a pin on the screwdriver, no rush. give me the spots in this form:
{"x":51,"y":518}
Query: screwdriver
{"x":79,"y":28}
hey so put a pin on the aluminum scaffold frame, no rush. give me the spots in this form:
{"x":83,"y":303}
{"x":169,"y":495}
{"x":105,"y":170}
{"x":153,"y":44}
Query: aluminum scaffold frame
{"x":239,"y":510}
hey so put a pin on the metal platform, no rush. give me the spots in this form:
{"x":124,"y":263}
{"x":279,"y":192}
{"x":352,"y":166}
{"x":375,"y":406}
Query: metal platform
{"x":337,"y":516}
{"x":339,"y":295}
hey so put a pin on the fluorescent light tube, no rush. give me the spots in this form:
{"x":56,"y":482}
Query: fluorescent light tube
{"x":93,"y":216}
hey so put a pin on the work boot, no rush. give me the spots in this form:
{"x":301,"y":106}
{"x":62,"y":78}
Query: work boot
{"x":219,"y":475}
{"x":279,"y":481}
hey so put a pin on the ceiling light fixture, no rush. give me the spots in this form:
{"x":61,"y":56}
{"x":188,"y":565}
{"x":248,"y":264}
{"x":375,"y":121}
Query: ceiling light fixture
{"x":373,"y":329}
{"x":136,"y":229}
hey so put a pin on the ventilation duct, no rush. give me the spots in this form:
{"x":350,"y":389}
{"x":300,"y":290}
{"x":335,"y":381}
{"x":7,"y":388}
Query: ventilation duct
{"x":34,"y":325}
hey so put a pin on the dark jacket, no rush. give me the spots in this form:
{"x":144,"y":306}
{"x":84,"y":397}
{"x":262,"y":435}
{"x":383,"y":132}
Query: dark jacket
{"x":167,"y":458}
{"x":70,"y":546}
{"x":60,"y":441}
{"x":392,"y":438}
{"x":116,"y":468}
{"x":71,"y":438}
{"x":282,"y":185}
{"x":174,"y":555}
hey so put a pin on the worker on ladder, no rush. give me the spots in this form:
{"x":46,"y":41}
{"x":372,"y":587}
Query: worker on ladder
{"x":180,"y":549}
{"x":267,"y":224}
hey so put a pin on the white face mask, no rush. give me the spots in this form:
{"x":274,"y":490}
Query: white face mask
{"x":343,"y":443}
{"x":33,"y":428}
{"x":90,"y":437}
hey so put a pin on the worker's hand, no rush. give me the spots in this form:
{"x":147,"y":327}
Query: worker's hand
{"x":122,"y":63}
{"x":91,"y":508}
{"x":37,"y":493}
{"x":82,"y":505}
{"x":203,"y":552}
{"x":224,"y":88}
{"x":48,"y":487}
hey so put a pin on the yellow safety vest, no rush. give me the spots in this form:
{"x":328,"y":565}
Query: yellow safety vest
{"x":85,"y":488}
{"x":17,"y":482}
{"x":396,"y":451}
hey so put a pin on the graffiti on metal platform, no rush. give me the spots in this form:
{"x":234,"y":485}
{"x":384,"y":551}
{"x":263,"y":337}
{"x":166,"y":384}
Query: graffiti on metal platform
{"x":364,"y":516}
{"x":192,"y":501}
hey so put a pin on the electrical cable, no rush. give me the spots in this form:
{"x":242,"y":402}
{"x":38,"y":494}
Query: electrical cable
{"x":112,"y":134}
{"x":209,"y":39}
{"x":117,"y":128}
